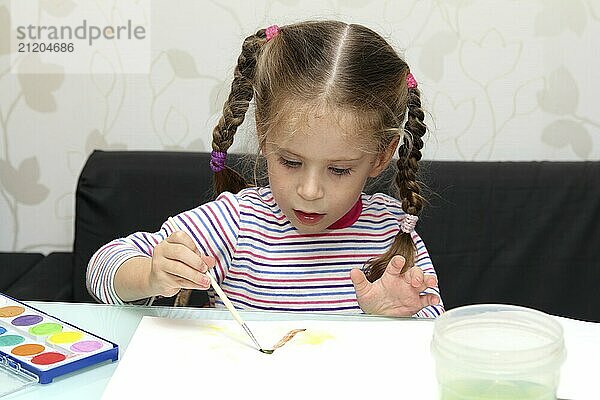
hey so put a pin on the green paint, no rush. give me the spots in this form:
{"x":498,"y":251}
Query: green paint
{"x":45,"y":329}
{"x":11,"y":340}
{"x":495,"y":390}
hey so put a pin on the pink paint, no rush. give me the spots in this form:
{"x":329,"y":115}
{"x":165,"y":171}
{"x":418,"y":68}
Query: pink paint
{"x":86,"y":346}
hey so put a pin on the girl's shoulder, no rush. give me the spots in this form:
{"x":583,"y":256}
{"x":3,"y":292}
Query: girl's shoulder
{"x":262,"y":194}
{"x":251,"y":195}
{"x":381,"y":202}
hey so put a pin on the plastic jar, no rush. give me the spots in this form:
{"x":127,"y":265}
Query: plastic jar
{"x":497,"y":351}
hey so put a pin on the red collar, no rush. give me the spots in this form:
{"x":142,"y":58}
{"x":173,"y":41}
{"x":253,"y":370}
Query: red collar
{"x":350,"y":217}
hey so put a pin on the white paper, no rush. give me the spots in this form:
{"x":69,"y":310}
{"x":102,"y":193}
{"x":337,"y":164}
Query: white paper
{"x":169,"y":359}
{"x":579,"y":373}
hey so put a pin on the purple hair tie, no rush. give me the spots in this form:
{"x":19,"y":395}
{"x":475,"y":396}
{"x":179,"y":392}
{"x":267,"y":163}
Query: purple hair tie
{"x":408,"y":223}
{"x":271,"y":32}
{"x":411,"y":82}
{"x":217,"y":160}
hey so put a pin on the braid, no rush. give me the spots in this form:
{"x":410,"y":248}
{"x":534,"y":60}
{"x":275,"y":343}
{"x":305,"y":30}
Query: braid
{"x":410,"y":154}
{"x":408,"y":187}
{"x":234,"y":110}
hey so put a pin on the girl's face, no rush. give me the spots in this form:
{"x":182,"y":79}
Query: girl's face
{"x":318,"y":172}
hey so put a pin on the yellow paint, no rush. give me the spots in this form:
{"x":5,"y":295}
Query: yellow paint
{"x":216,"y":330}
{"x":65,"y":337}
{"x":215,"y":327}
{"x":312,"y":337}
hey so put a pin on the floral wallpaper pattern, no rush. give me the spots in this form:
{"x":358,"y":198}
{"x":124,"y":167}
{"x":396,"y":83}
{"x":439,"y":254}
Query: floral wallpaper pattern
{"x":501,"y":80}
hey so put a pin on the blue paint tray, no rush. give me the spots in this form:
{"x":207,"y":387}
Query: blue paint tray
{"x":36,"y":347}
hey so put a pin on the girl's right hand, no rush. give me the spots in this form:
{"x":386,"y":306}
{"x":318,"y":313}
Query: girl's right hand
{"x":177,"y":264}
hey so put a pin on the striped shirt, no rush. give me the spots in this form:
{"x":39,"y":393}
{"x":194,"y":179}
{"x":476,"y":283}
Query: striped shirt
{"x":263,"y":262}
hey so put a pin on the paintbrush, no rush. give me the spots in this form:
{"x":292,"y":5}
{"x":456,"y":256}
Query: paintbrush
{"x":233,"y":311}
{"x":227,"y":302}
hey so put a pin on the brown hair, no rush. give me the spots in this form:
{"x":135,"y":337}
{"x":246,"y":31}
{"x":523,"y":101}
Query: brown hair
{"x":347,"y":67}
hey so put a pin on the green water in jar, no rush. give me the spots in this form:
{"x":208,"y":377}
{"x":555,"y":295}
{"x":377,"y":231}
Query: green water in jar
{"x":495,"y":390}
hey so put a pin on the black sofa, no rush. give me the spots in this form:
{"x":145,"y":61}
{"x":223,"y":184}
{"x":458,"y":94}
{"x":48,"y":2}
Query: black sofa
{"x":524,"y":233}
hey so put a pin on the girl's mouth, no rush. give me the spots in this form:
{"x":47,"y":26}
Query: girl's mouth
{"x":308,"y":218}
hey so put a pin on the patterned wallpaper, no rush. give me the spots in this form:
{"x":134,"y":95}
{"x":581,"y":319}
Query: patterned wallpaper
{"x":501,"y":80}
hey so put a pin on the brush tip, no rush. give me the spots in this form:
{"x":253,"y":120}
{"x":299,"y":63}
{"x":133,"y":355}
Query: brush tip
{"x":265,"y":351}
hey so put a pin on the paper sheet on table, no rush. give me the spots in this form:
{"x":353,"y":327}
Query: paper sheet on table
{"x":170,"y":359}
{"x":579,"y":373}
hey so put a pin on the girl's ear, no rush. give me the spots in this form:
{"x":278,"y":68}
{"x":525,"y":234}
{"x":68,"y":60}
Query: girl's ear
{"x":383,"y":159}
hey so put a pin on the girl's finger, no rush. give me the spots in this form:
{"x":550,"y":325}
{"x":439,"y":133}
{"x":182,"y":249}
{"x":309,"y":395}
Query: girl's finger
{"x":395,"y":266}
{"x":208,"y":260}
{"x":429,"y":300}
{"x":359,"y":280}
{"x":431,"y":281}
{"x":179,"y":270}
{"x":180,"y":237}
{"x":186,"y":284}
{"x":420,"y":281}
{"x":417,"y":278}
{"x":182,"y":253}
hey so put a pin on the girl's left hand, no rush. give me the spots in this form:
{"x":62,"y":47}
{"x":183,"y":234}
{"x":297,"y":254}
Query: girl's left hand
{"x":395,"y":294}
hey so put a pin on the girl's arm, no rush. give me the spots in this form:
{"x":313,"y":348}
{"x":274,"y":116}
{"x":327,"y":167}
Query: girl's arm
{"x":143,"y":265}
{"x":110,"y":258}
{"x":176,"y":264}
{"x":131,"y":280}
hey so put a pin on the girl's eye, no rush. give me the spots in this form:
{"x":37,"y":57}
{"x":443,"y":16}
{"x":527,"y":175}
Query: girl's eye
{"x":340,"y":171}
{"x":289,"y":163}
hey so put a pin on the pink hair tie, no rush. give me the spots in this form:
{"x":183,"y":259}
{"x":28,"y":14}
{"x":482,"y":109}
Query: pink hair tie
{"x":408,"y":223}
{"x":217,"y":160}
{"x":271,"y":32}
{"x":411,"y":82}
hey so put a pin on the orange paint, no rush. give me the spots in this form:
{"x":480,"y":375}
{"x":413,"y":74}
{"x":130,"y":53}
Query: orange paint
{"x":11,"y":311}
{"x":28,"y":349}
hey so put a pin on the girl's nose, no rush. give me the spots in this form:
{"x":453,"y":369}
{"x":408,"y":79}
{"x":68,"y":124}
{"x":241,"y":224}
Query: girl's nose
{"x":309,"y":187}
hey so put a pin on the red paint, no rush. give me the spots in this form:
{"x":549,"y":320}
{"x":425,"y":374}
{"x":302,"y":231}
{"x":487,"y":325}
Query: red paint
{"x":48,"y":358}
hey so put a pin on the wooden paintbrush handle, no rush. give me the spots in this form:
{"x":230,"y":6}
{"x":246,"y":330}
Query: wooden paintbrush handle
{"x":223,"y":296}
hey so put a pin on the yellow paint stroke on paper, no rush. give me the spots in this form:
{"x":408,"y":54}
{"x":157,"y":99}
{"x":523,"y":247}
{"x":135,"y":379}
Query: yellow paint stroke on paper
{"x":215,"y":328}
{"x":218,"y":331}
{"x":300,"y":336}
{"x":313,"y":337}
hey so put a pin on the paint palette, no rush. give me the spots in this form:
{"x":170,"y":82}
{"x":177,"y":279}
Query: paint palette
{"x":35,"y":346}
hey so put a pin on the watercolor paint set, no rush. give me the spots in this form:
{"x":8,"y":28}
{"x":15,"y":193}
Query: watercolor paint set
{"x":36,"y":347}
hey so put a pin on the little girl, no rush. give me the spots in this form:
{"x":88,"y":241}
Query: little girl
{"x":330,"y":102}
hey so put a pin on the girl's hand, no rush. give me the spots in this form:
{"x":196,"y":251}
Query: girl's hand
{"x":395,"y":294}
{"x":177,"y":264}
